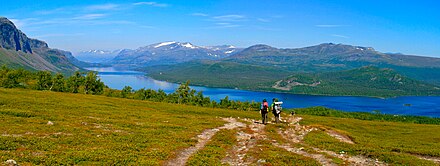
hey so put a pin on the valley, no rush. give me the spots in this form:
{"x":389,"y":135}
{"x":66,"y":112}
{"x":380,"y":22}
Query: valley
{"x":196,"y":82}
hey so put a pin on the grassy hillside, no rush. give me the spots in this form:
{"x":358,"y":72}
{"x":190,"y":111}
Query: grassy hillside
{"x":16,"y":59}
{"x":218,"y":74}
{"x":98,"y":130}
{"x":92,"y":129}
{"x":370,"y":81}
{"x":364,"y":81}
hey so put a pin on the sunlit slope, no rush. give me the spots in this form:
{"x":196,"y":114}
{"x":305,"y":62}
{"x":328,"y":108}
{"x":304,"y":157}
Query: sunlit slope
{"x":98,"y":130}
{"x":89,"y":129}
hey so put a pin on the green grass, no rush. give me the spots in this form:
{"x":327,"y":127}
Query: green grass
{"x":216,"y":149}
{"x":99,"y":130}
{"x":392,"y":142}
{"x":322,"y":111}
{"x":95,"y":129}
{"x":272,"y":155}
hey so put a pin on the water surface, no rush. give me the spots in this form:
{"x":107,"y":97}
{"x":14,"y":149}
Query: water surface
{"x":420,"y":105}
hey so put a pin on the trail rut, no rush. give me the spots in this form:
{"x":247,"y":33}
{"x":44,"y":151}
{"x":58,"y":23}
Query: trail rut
{"x":202,"y":139}
{"x":296,"y":135}
{"x":245,"y":142}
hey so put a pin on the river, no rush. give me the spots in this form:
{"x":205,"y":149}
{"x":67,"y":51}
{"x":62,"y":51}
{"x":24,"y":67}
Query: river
{"x":418,"y":105}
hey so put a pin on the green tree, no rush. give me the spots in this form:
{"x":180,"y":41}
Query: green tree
{"x":126,"y":91}
{"x":225,"y":103}
{"x":44,"y":80}
{"x":161,"y":95}
{"x":75,"y":82}
{"x":59,"y":83}
{"x":4,"y":75}
{"x":93,"y":84}
{"x":183,"y":93}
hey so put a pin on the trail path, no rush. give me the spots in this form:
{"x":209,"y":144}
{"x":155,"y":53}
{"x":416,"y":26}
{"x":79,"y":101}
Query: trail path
{"x":297,"y":132}
{"x":202,"y":139}
{"x":248,"y":136}
{"x":430,"y":158}
{"x":245,"y":140}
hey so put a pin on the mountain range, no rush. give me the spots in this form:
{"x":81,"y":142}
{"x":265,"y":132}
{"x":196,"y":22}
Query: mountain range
{"x":262,"y":67}
{"x":259,"y":67}
{"x":336,"y":57}
{"x":171,"y":53}
{"x":96,"y":56}
{"x":17,"y":50}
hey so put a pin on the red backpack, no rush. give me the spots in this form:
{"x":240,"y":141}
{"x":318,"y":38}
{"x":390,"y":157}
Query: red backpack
{"x":265,"y":108}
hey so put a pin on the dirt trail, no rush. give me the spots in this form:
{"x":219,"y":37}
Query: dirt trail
{"x":352,"y":160}
{"x":245,"y":142}
{"x":202,"y":139}
{"x":318,"y":157}
{"x":296,"y":135}
{"x":430,"y":158}
{"x":248,"y":136}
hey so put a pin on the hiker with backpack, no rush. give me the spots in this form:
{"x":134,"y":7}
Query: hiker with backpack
{"x":264,"y":110}
{"x":276,"y":109}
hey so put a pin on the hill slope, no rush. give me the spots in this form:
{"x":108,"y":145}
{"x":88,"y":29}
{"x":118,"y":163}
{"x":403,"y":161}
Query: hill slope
{"x":364,"y":81}
{"x":218,"y":74}
{"x":371,"y":81}
{"x":17,"y":50}
{"x":76,"y":129}
{"x":328,"y":56}
{"x":335,"y":57}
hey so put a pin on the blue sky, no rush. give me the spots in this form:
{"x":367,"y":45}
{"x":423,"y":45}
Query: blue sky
{"x":410,"y":27}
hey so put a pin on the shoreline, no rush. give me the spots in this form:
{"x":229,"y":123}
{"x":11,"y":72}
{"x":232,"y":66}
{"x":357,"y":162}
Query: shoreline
{"x":284,"y":92}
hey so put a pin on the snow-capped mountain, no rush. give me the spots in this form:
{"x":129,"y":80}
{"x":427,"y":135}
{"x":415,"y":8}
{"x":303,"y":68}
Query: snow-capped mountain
{"x":171,"y":53}
{"x":96,"y":56}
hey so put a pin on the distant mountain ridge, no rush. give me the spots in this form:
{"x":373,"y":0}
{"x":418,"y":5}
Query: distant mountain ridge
{"x":171,"y":53}
{"x":327,"y":56}
{"x":97,"y":56}
{"x":336,"y":57}
{"x":262,"y":67}
{"x":17,"y":50}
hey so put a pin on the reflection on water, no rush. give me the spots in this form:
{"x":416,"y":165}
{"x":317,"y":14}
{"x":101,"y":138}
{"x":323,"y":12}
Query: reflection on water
{"x":425,"y":106}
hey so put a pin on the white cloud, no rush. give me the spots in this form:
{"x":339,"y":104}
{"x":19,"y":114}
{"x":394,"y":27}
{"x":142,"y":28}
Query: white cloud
{"x":200,"y":14}
{"x":118,"y":22}
{"x":267,"y":28}
{"x":18,"y":23}
{"x":221,"y":25}
{"x":230,"y":18}
{"x":109,"y":6}
{"x":148,"y":27}
{"x":89,"y":17}
{"x":155,"y":4}
{"x":263,"y":20}
{"x":54,"y":11}
{"x":340,"y":36}
{"x":331,"y":25}
{"x":58,"y":35}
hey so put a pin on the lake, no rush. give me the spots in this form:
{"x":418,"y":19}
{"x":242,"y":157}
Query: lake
{"x":419,"y":105}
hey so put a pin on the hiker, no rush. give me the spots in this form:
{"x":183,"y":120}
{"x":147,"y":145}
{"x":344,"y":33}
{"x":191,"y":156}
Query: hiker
{"x":264,"y":110}
{"x":276,"y":109}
